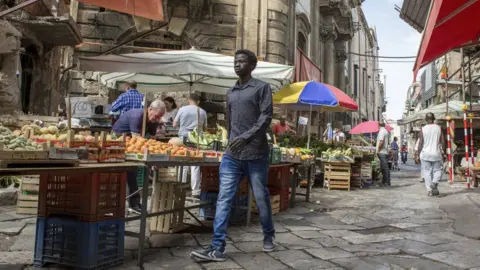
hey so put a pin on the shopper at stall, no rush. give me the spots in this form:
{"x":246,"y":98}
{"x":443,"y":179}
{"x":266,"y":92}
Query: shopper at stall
{"x":131,"y":99}
{"x":338,"y":135}
{"x":249,"y":114}
{"x":432,"y":155}
{"x":282,"y":127}
{"x":383,"y":141}
{"x":130,"y":123}
{"x":189,"y":118}
{"x":171,"y":112}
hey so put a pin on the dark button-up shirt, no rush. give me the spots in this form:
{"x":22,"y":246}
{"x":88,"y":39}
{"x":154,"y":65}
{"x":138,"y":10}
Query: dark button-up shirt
{"x":131,"y":122}
{"x":249,"y":114}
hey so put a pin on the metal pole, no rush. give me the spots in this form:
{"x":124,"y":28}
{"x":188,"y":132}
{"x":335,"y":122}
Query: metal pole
{"x":446,"y":84}
{"x":472,"y":150}
{"x":464,"y":108}
{"x":449,"y":151}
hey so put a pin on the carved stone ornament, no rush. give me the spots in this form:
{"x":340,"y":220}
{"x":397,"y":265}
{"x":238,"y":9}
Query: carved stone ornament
{"x":341,"y":55}
{"x":328,"y":33}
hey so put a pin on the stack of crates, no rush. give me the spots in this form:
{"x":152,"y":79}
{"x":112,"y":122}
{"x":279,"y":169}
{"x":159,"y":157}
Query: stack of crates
{"x":81,"y":219}
{"x":279,"y":184}
{"x":366,"y":174}
{"x":238,"y":214}
{"x":209,"y":187}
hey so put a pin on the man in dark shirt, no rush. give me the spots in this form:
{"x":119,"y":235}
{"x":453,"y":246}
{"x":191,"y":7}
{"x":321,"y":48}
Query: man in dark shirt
{"x":130,"y":123}
{"x":249,"y":114}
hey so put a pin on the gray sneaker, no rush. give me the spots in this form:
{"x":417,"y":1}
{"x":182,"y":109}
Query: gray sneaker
{"x":269,"y":244}
{"x":209,"y":254}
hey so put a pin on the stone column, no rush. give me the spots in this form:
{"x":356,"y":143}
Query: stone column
{"x":329,"y":37}
{"x":341,"y":56}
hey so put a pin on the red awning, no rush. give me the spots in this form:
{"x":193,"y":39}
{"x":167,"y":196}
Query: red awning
{"x":150,"y":9}
{"x":451,"y":24}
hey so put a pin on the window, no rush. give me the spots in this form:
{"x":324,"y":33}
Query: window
{"x":302,"y":42}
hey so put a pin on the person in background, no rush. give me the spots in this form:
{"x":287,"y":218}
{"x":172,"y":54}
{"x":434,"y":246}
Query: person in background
{"x":338,"y":135}
{"x":130,"y":124}
{"x":383,"y":138}
{"x":395,"y":149}
{"x":189,"y":118}
{"x":249,"y":114}
{"x":416,"y":157}
{"x":171,"y":112}
{"x":131,"y":99}
{"x":432,"y":155}
{"x":282,"y":127}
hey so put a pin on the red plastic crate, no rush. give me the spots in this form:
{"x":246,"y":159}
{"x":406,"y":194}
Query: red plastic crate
{"x":87,"y":197}
{"x":210,"y":180}
{"x":279,"y":177}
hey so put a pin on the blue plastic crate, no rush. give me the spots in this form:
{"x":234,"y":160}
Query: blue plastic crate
{"x":236,"y":215}
{"x":81,"y":245}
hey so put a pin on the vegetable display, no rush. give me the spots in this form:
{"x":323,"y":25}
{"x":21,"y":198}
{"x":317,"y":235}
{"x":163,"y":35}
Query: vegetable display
{"x":206,"y":139}
{"x":338,"y":154}
{"x":14,"y":142}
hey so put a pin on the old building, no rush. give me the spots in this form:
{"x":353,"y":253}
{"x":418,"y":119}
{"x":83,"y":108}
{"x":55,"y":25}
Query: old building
{"x":30,"y":64}
{"x":320,"y":37}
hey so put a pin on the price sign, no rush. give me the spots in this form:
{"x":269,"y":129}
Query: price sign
{"x":302,"y":121}
{"x":81,"y":107}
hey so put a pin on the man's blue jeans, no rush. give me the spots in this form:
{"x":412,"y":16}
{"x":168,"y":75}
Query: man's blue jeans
{"x":232,"y":172}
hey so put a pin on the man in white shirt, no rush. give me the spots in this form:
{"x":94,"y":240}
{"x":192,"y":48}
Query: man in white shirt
{"x":417,"y":158}
{"x":189,"y":118}
{"x":430,"y":147}
{"x":383,"y":141}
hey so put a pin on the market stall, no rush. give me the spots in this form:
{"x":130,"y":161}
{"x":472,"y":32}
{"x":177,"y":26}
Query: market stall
{"x":189,"y":71}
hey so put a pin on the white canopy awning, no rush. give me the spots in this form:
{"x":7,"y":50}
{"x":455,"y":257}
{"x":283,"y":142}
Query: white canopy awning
{"x":172,"y":71}
{"x":454,"y":110}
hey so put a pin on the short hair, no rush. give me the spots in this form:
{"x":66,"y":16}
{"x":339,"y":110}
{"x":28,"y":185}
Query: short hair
{"x":157,"y":105}
{"x":430,"y":116}
{"x":395,"y":138}
{"x":252,"y":58}
{"x":132,"y":84}
{"x":171,"y":100}
{"x":381,"y":123}
{"x":194,"y":97}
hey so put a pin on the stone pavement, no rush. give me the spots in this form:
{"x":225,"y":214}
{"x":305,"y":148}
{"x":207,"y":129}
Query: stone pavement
{"x":379,"y":228}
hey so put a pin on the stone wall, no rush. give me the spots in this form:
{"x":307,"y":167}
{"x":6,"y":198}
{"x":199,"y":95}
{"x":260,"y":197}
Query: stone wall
{"x":9,"y":59}
{"x":220,"y":26}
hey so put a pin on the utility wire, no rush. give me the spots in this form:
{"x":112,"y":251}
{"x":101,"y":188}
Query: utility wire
{"x":376,"y":56}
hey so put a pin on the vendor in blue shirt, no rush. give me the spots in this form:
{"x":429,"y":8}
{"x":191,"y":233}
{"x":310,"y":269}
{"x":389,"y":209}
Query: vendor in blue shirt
{"x":130,"y":123}
{"x":131,"y":99}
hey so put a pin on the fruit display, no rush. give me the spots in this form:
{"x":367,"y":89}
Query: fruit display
{"x":138,"y":145}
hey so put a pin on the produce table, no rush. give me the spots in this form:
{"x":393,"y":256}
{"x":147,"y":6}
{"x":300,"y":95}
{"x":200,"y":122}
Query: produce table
{"x":132,"y":166}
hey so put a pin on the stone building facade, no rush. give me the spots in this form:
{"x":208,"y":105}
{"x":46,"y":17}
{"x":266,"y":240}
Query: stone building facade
{"x":324,"y":31}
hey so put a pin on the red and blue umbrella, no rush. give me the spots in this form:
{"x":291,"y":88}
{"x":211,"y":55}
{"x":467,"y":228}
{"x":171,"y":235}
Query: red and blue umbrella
{"x":316,"y":96}
{"x":313,"y":96}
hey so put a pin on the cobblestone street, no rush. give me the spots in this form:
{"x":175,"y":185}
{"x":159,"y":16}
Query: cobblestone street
{"x":380,"y":228}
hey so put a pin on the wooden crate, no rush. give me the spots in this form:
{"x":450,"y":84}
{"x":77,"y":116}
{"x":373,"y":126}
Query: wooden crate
{"x":27,"y":202}
{"x":274,"y":202}
{"x":168,"y":196}
{"x":338,"y":175}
